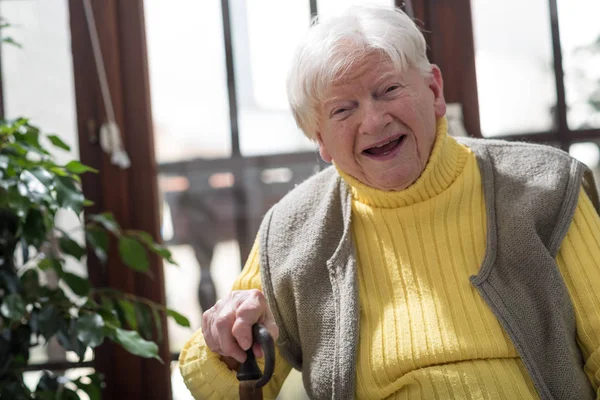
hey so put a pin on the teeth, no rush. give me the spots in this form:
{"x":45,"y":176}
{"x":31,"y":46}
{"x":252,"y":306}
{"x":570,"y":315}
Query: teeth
{"x":381,"y":145}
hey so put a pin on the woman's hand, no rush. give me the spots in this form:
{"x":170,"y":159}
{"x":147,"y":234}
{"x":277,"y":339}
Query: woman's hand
{"x":227,"y":327}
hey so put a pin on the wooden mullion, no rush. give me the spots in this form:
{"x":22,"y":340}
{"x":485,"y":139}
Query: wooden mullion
{"x":559,"y":77}
{"x":144,"y":209}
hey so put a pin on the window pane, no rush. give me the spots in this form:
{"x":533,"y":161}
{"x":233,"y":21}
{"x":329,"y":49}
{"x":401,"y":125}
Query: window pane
{"x":183,"y":282}
{"x":38,"y":84}
{"x":189,"y":94}
{"x":580,"y":41}
{"x":515,"y":74}
{"x":589,"y":154}
{"x":188,"y":79}
{"x":38,"y":77}
{"x":262,"y":60}
{"x":327,"y":8}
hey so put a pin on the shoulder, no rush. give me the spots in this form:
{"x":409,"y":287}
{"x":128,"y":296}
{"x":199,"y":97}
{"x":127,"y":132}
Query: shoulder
{"x":527,"y":160}
{"x":504,"y":148}
{"x":308,"y":198}
{"x":530,"y":184}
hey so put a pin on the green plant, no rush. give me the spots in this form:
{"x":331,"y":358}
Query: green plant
{"x":33,"y":188}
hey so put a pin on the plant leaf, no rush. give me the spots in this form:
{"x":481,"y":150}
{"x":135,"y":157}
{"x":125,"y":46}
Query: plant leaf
{"x":48,"y":382}
{"x":34,"y":229}
{"x":98,"y":240}
{"x":49,"y":319}
{"x":133,"y":254}
{"x":158,"y":324}
{"x":144,"y":317}
{"x":80,"y":286}
{"x":161,"y":251}
{"x":133,"y":343}
{"x":53,"y":263}
{"x":30,"y":282}
{"x":110,"y":317}
{"x":68,"y":195}
{"x":10,"y":280}
{"x":164,"y":253}
{"x":128,"y":311}
{"x":67,"y":338}
{"x":107,"y":220}
{"x":19,"y":204}
{"x":13,"y":307}
{"x":76,"y":167}
{"x":44,"y":176}
{"x":11,"y":41}
{"x":180,"y":319}
{"x":90,"y":330}
{"x":36,"y":190}
{"x":57,"y":142}
{"x":71,"y":247}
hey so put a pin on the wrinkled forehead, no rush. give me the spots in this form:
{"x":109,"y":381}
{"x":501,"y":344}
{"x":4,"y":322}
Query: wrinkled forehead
{"x":374,"y":63}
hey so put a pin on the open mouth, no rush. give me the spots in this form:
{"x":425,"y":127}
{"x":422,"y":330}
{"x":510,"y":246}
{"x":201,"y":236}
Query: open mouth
{"x":386,"y":148}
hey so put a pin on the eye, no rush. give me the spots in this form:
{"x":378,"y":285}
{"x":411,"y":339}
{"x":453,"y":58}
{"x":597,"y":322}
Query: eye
{"x":391,"y":88}
{"x":339,"y":112}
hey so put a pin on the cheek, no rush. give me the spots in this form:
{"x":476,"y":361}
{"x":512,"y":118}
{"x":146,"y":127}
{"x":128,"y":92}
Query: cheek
{"x":342,"y":138}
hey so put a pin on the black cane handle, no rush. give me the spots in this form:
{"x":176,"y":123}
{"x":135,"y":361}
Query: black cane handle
{"x":249,"y":370}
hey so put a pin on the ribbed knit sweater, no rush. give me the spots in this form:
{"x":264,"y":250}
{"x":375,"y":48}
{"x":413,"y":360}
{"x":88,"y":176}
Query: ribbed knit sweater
{"x":425,"y":333}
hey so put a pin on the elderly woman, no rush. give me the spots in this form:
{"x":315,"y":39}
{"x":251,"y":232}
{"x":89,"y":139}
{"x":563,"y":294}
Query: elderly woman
{"x":416,"y":266}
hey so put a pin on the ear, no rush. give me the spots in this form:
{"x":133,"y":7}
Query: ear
{"x":323,"y":149}
{"x":436,"y":84}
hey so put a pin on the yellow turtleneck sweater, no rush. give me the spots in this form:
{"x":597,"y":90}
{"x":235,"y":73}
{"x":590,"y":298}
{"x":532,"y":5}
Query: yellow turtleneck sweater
{"x":425,"y":333}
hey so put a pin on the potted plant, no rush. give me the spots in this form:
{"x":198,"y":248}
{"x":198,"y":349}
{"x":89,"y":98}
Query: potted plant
{"x":33,"y":188}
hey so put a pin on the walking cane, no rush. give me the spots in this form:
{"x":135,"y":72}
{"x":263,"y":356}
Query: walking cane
{"x":251,"y":378}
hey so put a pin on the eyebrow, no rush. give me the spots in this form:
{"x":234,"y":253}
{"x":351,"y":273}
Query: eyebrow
{"x":329,"y":102}
{"x":385,"y":77}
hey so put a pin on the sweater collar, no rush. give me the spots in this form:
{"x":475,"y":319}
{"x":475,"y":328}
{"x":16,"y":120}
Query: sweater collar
{"x":445,"y":164}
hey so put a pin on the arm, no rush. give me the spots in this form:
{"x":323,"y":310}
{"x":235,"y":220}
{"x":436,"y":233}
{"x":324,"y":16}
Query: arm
{"x":579,"y":264}
{"x":204,"y":372}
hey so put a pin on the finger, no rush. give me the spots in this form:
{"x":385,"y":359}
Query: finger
{"x":224,"y":324}
{"x":268,"y":321}
{"x":248,"y":313}
{"x":230,"y":348}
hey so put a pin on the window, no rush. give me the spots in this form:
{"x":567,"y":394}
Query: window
{"x":515,"y":77}
{"x":580,"y":43}
{"x":537,"y":70}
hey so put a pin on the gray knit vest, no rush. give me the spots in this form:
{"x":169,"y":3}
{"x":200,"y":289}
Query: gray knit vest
{"x":308,"y":269}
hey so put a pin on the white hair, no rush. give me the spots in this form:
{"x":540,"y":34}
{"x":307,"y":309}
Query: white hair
{"x":331,"y":47}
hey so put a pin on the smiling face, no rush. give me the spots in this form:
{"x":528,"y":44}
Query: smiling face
{"x":378,"y":124}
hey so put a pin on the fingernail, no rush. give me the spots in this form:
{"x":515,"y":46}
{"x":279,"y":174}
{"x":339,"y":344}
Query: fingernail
{"x":245,"y":343}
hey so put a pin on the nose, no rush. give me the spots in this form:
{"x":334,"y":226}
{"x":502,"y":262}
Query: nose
{"x":374,"y":118}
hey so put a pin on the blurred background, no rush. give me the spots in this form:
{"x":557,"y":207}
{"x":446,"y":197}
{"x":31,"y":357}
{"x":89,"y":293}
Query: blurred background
{"x":198,"y":88}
